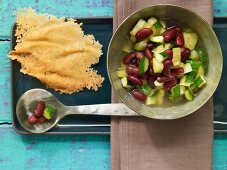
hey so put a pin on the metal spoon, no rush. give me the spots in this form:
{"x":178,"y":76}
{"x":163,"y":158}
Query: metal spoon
{"x":27,"y":103}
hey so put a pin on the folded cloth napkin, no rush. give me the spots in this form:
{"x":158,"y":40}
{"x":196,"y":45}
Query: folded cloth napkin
{"x":139,"y":143}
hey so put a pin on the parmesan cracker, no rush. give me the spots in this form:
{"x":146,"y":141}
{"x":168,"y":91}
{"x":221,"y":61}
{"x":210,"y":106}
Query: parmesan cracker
{"x":56,"y":51}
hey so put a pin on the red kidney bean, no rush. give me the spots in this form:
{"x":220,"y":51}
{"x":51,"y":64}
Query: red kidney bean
{"x":138,"y":95}
{"x":169,"y":84}
{"x":134,"y":61}
{"x":169,"y":52}
{"x":148,"y":54}
{"x":42,"y":120}
{"x":166,"y":70}
{"x":178,"y":29}
{"x":178,"y":71}
{"x":139,"y":55}
{"x":132,"y":70}
{"x":163,"y":79}
{"x":32,"y":119}
{"x":135,"y":80}
{"x":169,"y":35}
{"x":179,"y":39}
{"x":128,"y":57}
{"x":151,"y":72}
{"x":144,"y":76}
{"x":143,"y":33}
{"x":150,"y":81}
{"x":39,"y":108}
{"x":185,"y":53}
{"x":150,"y":45}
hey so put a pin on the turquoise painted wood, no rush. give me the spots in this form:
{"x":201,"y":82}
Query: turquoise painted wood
{"x":63,"y":152}
{"x":53,"y":152}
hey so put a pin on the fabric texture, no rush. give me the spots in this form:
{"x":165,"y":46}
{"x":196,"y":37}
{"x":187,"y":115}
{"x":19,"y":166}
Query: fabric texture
{"x":139,"y":143}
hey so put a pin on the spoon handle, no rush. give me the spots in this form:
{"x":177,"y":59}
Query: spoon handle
{"x":114,"y":109}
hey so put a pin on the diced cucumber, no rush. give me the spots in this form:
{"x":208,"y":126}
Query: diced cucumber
{"x":200,"y":81}
{"x":145,"y":89}
{"x":200,"y":71}
{"x":160,"y":56}
{"x":182,"y":65}
{"x":194,"y":55}
{"x":203,"y":57}
{"x":175,"y":93}
{"x":189,"y":95}
{"x":157,"y":66}
{"x":139,"y":25}
{"x":162,"y":30}
{"x":49,"y":111}
{"x":157,"y":25}
{"x":186,"y":80}
{"x":190,"y":40}
{"x":187,"y":68}
{"x":163,"y":23}
{"x":182,"y":90}
{"x":195,"y":66}
{"x":153,"y":92}
{"x":126,"y":83}
{"x":159,"y":49}
{"x":176,"y":56}
{"x":160,"y":96}
{"x":157,"y":39}
{"x":157,"y":84}
{"x":152,"y":100}
{"x":143,"y":66}
{"x":152,"y":20}
{"x":122,"y":73}
{"x":140,"y":46}
{"x":133,"y":38}
{"x":169,"y":45}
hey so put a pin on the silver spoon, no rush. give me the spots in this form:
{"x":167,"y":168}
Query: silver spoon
{"x":27,"y":103}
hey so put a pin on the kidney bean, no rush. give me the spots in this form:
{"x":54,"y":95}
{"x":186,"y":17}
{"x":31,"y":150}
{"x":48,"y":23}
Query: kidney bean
{"x":185,"y":53}
{"x":150,"y":45}
{"x":134,"y":61}
{"x":166,"y":70}
{"x":135,"y":80}
{"x":144,"y":76}
{"x":169,"y":84}
{"x":138,"y":95}
{"x":179,"y":39}
{"x":178,"y":29}
{"x":150,"y":81}
{"x":178,"y":71}
{"x":132,"y":70}
{"x":128,"y":57}
{"x":169,"y":35}
{"x":148,"y":54}
{"x":42,"y":119}
{"x":151,"y":72}
{"x":163,"y":79}
{"x":169,"y":52}
{"x":143,"y":33}
{"x":39,"y":108}
{"x":139,"y":55}
{"x":32,"y":119}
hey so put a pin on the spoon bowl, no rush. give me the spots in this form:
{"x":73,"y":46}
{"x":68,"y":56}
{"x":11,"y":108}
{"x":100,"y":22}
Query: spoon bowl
{"x":27,"y":103}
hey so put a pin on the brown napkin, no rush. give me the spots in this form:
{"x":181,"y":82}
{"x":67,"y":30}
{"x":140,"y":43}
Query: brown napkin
{"x":139,"y":143}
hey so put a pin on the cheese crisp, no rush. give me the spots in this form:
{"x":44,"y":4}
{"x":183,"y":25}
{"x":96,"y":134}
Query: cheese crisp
{"x":57,"y":52}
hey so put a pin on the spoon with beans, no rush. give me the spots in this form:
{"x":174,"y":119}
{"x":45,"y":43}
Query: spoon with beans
{"x":30,"y":110}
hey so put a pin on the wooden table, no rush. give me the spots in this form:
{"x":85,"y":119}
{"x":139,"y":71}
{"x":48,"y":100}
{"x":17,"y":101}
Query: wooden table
{"x":61,"y":151}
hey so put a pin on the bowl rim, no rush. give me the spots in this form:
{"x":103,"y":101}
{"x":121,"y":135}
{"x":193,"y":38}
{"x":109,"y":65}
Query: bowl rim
{"x":219,"y":50}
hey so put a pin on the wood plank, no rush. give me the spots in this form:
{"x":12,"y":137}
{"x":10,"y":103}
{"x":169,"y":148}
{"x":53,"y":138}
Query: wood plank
{"x":5,"y":110}
{"x":39,"y":152}
{"x":61,"y":8}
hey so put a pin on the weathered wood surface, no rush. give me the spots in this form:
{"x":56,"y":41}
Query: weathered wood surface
{"x":63,"y":152}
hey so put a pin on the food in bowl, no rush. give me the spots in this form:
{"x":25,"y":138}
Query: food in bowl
{"x":166,"y":61}
{"x":42,"y":113}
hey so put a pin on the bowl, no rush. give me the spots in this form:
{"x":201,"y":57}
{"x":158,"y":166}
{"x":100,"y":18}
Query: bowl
{"x":181,"y":16}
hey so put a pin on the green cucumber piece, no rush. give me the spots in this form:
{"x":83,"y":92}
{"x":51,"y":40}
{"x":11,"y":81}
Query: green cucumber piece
{"x":157,"y":25}
{"x":187,"y":80}
{"x":187,"y":68}
{"x":126,"y":83}
{"x":157,"y":66}
{"x":203,"y":58}
{"x":189,"y":95}
{"x":143,"y":66}
{"x":194,"y":55}
{"x":49,"y":111}
{"x":169,"y":45}
{"x":163,"y":23}
{"x":139,"y":25}
{"x":152,"y":21}
{"x":190,"y":40}
{"x":145,"y":89}
{"x":195,"y":66}
{"x":182,"y":90}
{"x":121,"y":73}
{"x":164,"y":55}
{"x":175,"y":93}
{"x":176,"y":56}
{"x":160,"y":96}
{"x":200,"y":81}
{"x":200,"y":71}
{"x":157,"y":39}
{"x":140,"y":46}
{"x":151,"y":100}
